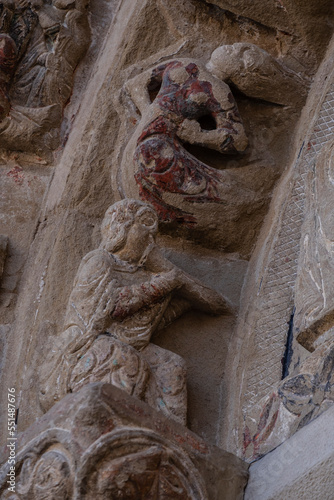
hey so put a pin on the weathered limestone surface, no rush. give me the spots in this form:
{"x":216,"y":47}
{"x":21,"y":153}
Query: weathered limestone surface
{"x":183,"y":105}
{"x":81,"y":191}
{"x":300,"y":468}
{"x":123,"y":293}
{"x":3,"y":252}
{"x":194,"y":107}
{"x":101,"y":443}
{"x":275,"y":266}
{"x":291,"y":403}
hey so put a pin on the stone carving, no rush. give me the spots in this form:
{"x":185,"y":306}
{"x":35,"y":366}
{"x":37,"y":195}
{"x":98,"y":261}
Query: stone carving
{"x":292,"y":403}
{"x":138,"y":464}
{"x":44,"y":468}
{"x":41,"y":44}
{"x":309,"y":390}
{"x":258,"y":74}
{"x":314,"y":314}
{"x":183,"y":102}
{"x":124,"y":292}
{"x":100,"y":443}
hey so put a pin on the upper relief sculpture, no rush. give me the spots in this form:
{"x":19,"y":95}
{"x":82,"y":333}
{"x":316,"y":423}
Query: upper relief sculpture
{"x":41,"y":44}
{"x":124,"y":292}
{"x":182,"y":103}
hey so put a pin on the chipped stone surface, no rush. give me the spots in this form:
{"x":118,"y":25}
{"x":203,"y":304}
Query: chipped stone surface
{"x":102,"y":443}
{"x":123,"y":293}
{"x":300,"y":468}
{"x":41,"y":46}
{"x":55,"y":223}
{"x":275,"y":282}
{"x":184,"y":106}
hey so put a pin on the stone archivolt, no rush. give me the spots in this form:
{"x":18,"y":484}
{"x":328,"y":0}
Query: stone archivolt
{"x":126,"y":290}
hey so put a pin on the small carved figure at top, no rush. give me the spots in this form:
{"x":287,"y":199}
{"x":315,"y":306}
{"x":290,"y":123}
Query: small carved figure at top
{"x":188,"y":94}
{"x":124,"y":292}
{"x":187,"y":112}
{"x":41,"y":44}
{"x":258,"y":74}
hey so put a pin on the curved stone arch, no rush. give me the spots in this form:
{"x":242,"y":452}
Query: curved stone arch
{"x":269,"y":292}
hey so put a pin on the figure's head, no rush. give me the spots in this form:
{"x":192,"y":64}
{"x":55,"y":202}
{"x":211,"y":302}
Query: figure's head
{"x":128,"y":217}
{"x":229,"y":60}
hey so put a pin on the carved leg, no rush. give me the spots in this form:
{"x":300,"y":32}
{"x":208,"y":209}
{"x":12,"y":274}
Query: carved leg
{"x":169,"y":371}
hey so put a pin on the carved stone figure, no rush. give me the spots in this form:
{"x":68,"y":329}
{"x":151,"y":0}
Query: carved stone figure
{"x":258,"y":74}
{"x":187,"y":94}
{"x":124,"y":292}
{"x":314,"y":314}
{"x":182,"y":103}
{"x":292,"y":403}
{"x":309,"y":388}
{"x":42,"y":44}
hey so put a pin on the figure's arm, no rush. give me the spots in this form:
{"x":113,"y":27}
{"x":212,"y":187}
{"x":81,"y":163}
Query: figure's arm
{"x":139,"y":86}
{"x":223,"y":139}
{"x":130,"y":299}
{"x":198,"y":295}
{"x":203,"y":297}
{"x":138,"y":92}
{"x":190,"y":131}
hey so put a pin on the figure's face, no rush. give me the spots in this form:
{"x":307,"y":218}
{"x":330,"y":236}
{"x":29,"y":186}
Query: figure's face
{"x":147,"y":218}
{"x":143,"y":229}
{"x":133,"y":233}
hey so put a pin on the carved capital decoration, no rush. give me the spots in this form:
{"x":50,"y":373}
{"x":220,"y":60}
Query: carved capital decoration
{"x":101,"y":443}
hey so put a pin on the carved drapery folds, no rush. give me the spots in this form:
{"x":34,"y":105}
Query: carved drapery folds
{"x":124,"y":292}
{"x":41,"y":44}
{"x":100,"y":444}
{"x":185,"y":105}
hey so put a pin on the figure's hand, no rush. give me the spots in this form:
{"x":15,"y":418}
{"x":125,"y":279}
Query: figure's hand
{"x":220,"y":139}
{"x":189,"y":131}
{"x":203,"y":297}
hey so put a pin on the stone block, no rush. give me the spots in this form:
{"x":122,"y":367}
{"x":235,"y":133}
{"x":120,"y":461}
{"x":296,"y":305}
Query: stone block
{"x":101,"y":443}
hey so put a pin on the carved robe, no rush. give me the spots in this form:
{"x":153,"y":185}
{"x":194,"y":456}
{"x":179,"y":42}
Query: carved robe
{"x":113,"y":311}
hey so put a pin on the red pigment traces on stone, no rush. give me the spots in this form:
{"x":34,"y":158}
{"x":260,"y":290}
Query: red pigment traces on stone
{"x":16,"y":174}
{"x":187,"y":438}
{"x":264,"y":428}
{"x":163,"y":164}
